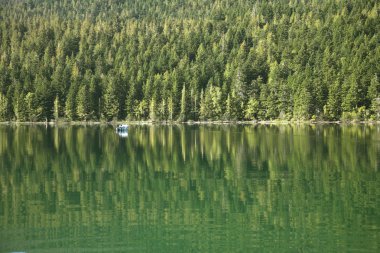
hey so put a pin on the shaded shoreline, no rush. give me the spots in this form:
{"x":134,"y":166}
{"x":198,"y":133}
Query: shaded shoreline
{"x":264,"y":122}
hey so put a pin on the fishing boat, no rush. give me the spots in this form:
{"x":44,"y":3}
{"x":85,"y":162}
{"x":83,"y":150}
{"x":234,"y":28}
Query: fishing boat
{"x":122,"y":128}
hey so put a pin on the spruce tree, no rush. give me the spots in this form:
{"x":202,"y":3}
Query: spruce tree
{"x":111,"y":103}
{"x":56,"y":108}
{"x":332,"y":109}
{"x":83,"y":104}
{"x":350,"y":100}
{"x":70,"y":105}
{"x":184,"y":106}
{"x":3,"y":108}
{"x":152,"y":110}
{"x":373,"y":96}
{"x":252,"y":109}
{"x":20,"y":108}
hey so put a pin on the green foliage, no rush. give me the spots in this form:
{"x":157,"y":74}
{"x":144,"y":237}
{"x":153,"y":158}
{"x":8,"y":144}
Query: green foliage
{"x":34,"y":111}
{"x":294,"y":59}
{"x":170,"y":108}
{"x":70,"y":105}
{"x":83,"y":104}
{"x":374,"y":88}
{"x":350,"y":99}
{"x":211,"y":104}
{"x":111,"y":103}
{"x":358,"y":115}
{"x":375,"y":108}
{"x":141,"y":110}
{"x":228,"y":112}
{"x":332,"y":109}
{"x":373,"y":96}
{"x":3,"y":108}
{"x":183,"y":116}
{"x":56,"y":108}
{"x":163,"y":110}
{"x":252,"y":109}
{"x":152,"y":110}
{"x":302,"y":104}
{"x":20,"y":108}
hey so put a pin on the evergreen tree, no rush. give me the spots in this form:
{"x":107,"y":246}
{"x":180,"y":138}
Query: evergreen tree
{"x":373,"y":89}
{"x":83,"y":104}
{"x":152,"y":110}
{"x":350,"y":100}
{"x":56,"y":108}
{"x":302,"y":103}
{"x":271,"y":105}
{"x":111,"y":102}
{"x":70,"y":106}
{"x":373,"y":96}
{"x":163,"y":110}
{"x":252,"y":109}
{"x":3,"y":108}
{"x":228,"y":112}
{"x":278,"y":61}
{"x":34,"y":111}
{"x":20,"y":108}
{"x":134,"y":107}
{"x":184,"y":106}
{"x":170,"y":108}
{"x":141,"y":111}
{"x":332,"y":110}
{"x":239,"y":94}
{"x":216,"y":98}
{"x":203,"y":107}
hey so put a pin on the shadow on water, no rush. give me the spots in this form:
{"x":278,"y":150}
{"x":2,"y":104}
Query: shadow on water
{"x":189,"y":189}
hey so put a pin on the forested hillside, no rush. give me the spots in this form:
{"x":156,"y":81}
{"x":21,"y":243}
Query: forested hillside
{"x":189,"y":59}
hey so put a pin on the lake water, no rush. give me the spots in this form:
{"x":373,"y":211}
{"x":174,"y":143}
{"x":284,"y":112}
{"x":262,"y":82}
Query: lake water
{"x":308,"y":188}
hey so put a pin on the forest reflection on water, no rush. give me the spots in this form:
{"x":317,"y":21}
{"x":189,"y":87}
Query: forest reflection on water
{"x":220,"y":188}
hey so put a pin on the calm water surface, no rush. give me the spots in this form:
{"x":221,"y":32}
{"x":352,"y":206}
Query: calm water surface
{"x":190,"y":189}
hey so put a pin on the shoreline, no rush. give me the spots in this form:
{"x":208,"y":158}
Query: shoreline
{"x":263,"y":122}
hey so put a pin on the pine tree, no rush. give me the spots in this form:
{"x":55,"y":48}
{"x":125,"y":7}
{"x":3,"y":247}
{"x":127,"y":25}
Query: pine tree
{"x":349,"y":103}
{"x":273,"y":87}
{"x":20,"y":108}
{"x":184,"y":106}
{"x":263,"y":54}
{"x":56,"y":108}
{"x":34,"y":110}
{"x":239,"y":94}
{"x":373,"y":89}
{"x":216,"y":103}
{"x":152,"y":110}
{"x":132,"y":106}
{"x":228,"y":112}
{"x":111,"y":103}
{"x":3,"y":108}
{"x":163,"y":110}
{"x":203,"y":107}
{"x":70,"y":106}
{"x":83,"y":104}
{"x":252,"y":109}
{"x":332,"y":109}
{"x":302,"y":102}
{"x":170,"y":108}
{"x":142,"y":110}
{"x":373,"y":96}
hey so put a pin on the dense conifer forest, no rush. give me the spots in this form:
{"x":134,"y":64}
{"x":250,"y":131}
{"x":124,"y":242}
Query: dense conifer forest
{"x":189,"y":60}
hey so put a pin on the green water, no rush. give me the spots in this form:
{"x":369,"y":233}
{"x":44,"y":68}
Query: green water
{"x":190,"y":189}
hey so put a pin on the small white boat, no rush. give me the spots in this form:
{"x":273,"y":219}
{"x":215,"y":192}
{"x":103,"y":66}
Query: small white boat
{"x":122,"y":128}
